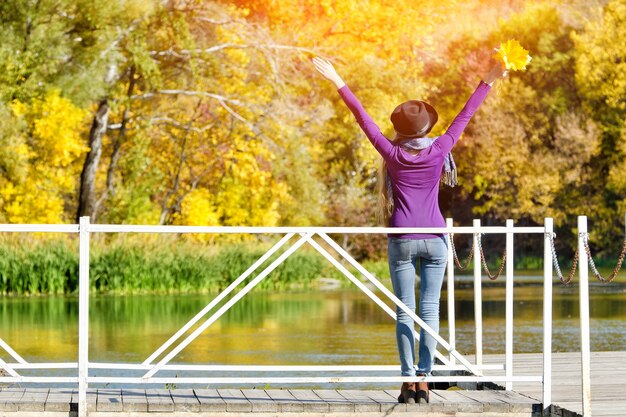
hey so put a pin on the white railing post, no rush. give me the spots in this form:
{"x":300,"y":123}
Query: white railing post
{"x":478,"y":296}
{"x":451,"y":310}
{"x":585,"y":349}
{"x":83,"y":315}
{"x":508,"y":350}
{"x":547,"y":315}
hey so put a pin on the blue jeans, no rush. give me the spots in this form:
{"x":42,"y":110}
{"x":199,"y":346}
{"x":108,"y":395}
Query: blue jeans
{"x":403,"y":256}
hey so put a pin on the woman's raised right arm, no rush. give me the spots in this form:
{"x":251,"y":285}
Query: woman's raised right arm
{"x":452,"y":135}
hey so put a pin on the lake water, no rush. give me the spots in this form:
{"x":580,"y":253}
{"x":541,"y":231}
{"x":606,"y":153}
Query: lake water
{"x":289,"y":328}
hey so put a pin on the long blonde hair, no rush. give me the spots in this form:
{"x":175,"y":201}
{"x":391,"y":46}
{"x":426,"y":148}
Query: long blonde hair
{"x":385,"y":201}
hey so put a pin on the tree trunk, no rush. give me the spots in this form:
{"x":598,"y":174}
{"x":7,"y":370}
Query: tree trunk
{"x":87,"y":196}
{"x":117,"y":145}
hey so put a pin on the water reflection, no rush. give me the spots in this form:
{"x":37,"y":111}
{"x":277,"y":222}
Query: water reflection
{"x":338,"y":327}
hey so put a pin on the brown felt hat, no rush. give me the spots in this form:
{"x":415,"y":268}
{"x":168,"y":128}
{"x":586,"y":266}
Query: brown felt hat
{"x":414,"y":118}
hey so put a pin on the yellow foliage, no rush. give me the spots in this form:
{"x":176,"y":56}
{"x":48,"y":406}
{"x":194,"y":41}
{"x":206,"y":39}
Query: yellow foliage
{"x":242,"y":204}
{"x":249,"y":195}
{"x":54,"y":125}
{"x":601,"y":58}
{"x":198,"y":209}
{"x":513,"y":55}
{"x":24,"y":203}
{"x":138,"y":8}
{"x":49,"y":149}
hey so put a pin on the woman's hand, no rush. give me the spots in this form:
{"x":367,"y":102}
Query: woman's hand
{"x":498,"y":71}
{"x":327,"y":70}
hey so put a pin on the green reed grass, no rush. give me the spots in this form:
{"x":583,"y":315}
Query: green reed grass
{"x":51,"y":266}
{"x":49,"y":269}
{"x":165,"y":264}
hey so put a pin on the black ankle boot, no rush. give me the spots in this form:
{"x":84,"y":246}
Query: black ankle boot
{"x":407,"y":393}
{"x":423,"y":394}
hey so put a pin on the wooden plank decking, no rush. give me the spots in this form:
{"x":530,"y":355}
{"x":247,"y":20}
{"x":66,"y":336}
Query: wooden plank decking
{"x":608,"y":378}
{"x":258,"y":402}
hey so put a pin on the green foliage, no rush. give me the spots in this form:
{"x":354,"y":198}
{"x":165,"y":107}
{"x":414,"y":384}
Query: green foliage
{"x":51,"y":267}
{"x":530,"y":263}
{"x":380,"y":269}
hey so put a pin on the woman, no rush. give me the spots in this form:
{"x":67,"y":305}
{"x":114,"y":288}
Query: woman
{"x":412,"y":168}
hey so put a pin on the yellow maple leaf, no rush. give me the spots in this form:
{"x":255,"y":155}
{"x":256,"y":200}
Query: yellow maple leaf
{"x":513,"y":55}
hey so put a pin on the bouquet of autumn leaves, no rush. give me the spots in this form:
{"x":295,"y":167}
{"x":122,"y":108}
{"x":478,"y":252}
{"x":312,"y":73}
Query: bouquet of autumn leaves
{"x":513,"y":56}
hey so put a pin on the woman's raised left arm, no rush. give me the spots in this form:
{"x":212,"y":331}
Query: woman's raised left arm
{"x":327,"y":70}
{"x":371,"y":130}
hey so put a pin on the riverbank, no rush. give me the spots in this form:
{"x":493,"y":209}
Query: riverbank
{"x":152,"y":266}
{"x":170,"y":266}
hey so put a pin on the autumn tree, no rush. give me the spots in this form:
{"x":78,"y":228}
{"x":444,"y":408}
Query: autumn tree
{"x":201,"y":99}
{"x":46,"y":65}
{"x":40,"y":160}
{"x":108,"y":28}
{"x":209,"y":112}
{"x":601,"y":79}
{"x":528,"y":152}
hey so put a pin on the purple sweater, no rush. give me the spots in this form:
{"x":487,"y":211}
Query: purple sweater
{"x":415,"y":178}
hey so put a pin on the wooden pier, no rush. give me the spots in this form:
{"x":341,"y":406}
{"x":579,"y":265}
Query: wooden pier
{"x":608,"y":381}
{"x":261,"y":402}
{"x":608,"y":377}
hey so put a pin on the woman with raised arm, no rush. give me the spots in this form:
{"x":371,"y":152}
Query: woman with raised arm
{"x":413,"y":166}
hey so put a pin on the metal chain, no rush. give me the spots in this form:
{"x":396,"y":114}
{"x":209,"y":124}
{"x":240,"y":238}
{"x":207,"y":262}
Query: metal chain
{"x":555,"y":262}
{"x":566,"y":281}
{"x":592,"y":264}
{"x":484,"y":261}
{"x":456,"y":258}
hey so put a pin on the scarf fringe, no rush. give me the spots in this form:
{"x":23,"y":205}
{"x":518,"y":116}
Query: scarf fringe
{"x":450,"y":178}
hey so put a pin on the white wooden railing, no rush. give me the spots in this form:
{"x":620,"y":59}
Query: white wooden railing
{"x":159,"y":361}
